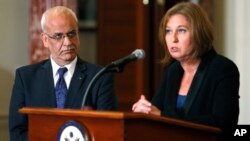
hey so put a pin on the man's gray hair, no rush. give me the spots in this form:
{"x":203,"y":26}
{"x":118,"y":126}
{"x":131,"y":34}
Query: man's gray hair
{"x":56,"y":10}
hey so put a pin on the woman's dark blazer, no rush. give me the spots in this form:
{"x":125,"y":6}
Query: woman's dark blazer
{"x":34,"y":87}
{"x":213,"y":98}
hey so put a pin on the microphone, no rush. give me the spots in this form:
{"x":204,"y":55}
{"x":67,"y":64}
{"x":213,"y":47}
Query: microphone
{"x":116,"y":66}
{"x":119,"y":64}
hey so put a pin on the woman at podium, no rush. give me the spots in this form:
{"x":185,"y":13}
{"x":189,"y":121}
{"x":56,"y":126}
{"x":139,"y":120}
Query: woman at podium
{"x":198,"y":84}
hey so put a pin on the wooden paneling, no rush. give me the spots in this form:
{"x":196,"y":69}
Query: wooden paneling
{"x":121,"y":30}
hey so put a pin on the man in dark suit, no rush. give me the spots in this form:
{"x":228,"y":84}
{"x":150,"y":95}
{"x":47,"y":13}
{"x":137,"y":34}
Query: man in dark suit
{"x":36,"y":85}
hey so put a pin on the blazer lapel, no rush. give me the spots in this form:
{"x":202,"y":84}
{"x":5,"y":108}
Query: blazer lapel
{"x":194,"y":89}
{"x":174,"y":85}
{"x":198,"y":79}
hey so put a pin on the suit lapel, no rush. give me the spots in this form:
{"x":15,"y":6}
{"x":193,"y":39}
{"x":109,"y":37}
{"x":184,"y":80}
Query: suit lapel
{"x":47,"y":76}
{"x":76,"y":86}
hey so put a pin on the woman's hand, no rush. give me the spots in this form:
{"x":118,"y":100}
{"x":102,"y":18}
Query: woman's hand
{"x":144,"y":106}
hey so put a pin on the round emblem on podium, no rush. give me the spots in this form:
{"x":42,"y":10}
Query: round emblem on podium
{"x":72,"y":131}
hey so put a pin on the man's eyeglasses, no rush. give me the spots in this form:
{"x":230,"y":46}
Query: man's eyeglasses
{"x":61,"y":36}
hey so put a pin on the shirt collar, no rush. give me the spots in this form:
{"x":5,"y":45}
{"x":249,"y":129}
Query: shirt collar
{"x":70,"y":67}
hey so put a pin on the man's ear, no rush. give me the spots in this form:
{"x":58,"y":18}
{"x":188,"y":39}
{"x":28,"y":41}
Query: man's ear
{"x":44,"y":39}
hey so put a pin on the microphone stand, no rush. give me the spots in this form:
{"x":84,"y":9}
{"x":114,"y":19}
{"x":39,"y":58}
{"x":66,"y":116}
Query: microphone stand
{"x":109,"y":68}
{"x":116,"y":66}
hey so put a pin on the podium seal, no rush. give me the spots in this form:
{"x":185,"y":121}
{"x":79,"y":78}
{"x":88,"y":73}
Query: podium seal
{"x":72,"y":131}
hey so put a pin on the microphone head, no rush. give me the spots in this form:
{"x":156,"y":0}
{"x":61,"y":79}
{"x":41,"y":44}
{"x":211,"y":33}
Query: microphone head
{"x":139,"y":53}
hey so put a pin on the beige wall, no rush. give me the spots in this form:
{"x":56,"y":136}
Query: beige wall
{"x":13,"y":51}
{"x":13,"y":44}
{"x":237,"y":47}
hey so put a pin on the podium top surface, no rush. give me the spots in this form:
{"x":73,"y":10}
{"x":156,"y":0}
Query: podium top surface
{"x":115,"y":115}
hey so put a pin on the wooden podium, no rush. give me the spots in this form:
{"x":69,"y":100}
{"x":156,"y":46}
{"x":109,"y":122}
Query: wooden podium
{"x":44,"y":125}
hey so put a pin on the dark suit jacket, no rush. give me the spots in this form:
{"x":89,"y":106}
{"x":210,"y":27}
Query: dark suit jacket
{"x":34,"y":87}
{"x":213,"y":98}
